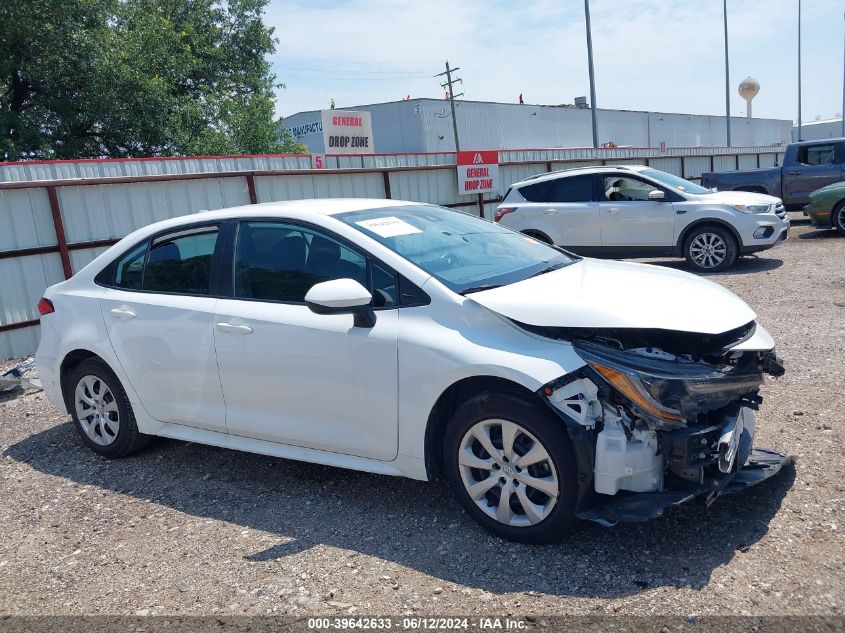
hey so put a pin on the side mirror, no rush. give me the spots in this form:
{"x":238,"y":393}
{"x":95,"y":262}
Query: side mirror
{"x":342,"y":296}
{"x":657,"y":195}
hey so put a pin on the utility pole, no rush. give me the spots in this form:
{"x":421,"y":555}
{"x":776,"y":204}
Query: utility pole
{"x":592,"y":74}
{"x":727,"y":76}
{"x":449,"y":86}
{"x":843,"y":99}
{"x":800,"y":136}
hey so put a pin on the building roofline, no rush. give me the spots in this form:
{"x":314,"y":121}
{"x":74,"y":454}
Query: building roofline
{"x":562,"y":106}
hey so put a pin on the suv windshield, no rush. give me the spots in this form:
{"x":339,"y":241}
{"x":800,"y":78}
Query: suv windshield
{"x":466,"y":254}
{"x":676,"y":182}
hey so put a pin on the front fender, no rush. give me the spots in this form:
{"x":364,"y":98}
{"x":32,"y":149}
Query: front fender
{"x":437,"y":351}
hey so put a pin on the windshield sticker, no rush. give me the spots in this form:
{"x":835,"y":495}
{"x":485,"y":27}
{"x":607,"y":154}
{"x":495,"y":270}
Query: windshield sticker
{"x":388,"y":227}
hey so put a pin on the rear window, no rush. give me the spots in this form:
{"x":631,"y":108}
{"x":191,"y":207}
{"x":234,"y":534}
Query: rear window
{"x":817,"y":155}
{"x":178,"y":262}
{"x":181,"y":262}
{"x":567,"y":189}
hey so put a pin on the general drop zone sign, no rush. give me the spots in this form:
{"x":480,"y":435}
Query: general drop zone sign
{"x":346,"y":132}
{"x":478,"y":172}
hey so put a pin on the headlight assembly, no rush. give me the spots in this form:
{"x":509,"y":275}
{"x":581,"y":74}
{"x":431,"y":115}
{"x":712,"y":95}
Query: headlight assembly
{"x":752,"y":208}
{"x":668,"y":390}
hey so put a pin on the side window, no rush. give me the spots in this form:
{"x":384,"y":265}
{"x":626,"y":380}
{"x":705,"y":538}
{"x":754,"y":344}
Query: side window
{"x":571,"y":189}
{"x":537,"y":192}
{"x":129,"y":269}
{"x":180,"y":262}
{"x":275,"y":261}
{"x":410,"y":294}
{"x":384,"y":287}
{"x":816,"y":155}
{"x":566,"y":189}
{"x":621,"y":189}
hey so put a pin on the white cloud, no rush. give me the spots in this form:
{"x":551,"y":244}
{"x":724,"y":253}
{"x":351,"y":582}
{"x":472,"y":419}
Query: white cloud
{"x":662,"y":55}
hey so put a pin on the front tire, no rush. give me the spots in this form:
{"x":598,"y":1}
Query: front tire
{"x":837,"y":218}
{"x":510,"y":463}
{"x":710,"y":249}
{"x":101,"y":411}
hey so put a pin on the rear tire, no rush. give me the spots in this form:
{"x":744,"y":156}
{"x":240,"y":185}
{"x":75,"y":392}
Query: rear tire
{"x":538,"y":451}
{"x":837,"y":218}
{"x":101,"y":411}
{"x":710,"y":249}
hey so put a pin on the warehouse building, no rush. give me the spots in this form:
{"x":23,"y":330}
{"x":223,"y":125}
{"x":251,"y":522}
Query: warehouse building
{"x":817,"y":130}
{"x":425,"y":125}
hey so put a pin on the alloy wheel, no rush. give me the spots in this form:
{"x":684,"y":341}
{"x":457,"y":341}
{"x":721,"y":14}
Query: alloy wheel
{"x":96,"y":410}
{"x":508,"y":473}
{"x":708,"y":250}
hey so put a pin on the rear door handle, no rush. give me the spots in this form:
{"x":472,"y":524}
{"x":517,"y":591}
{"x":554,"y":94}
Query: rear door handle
{"x":122,"y":313}
{"x":793,"y":173}
{"x":613,"y":210}
{"x":551,"y":211}
{"x":234,"y":328}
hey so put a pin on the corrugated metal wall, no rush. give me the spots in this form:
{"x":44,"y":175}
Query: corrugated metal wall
{"x":95,"y":203}
{"x":425,"y":125}
{"x":110,"y":168}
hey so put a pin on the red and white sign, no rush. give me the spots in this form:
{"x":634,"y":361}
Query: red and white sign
{"x":478,"y":172}
{"x":347,"y":132}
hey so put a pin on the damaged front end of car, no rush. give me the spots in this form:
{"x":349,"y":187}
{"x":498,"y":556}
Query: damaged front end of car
{"x":658,"y":418}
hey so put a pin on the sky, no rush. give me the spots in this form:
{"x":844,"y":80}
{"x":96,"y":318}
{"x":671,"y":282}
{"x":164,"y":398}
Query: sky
{"x":660,"y":55}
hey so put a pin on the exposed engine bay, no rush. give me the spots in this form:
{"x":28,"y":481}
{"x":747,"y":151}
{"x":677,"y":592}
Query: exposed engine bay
{"x":659,"y":417}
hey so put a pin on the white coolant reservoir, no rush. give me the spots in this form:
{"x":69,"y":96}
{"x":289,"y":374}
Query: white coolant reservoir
{"x":627,"y":465}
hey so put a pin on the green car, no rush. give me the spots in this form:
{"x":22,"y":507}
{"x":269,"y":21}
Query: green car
{"x":827,"y":207}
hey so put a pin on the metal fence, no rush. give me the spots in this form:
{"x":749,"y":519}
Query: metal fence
{"x":56,"y":216}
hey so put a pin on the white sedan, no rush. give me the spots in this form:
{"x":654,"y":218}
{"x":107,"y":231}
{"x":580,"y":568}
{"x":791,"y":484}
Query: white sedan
{"x":407,"y":339}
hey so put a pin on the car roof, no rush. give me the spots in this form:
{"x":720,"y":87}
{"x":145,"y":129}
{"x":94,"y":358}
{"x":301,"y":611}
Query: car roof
{"x":314,"y":207}
{"x":573,"y":171}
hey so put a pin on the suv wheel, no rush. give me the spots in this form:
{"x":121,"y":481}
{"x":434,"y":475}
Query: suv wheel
{"x":511,"y":465}
{"x":710,"y":249}
{"x":101,"y":411}
{"x":837,"y":220}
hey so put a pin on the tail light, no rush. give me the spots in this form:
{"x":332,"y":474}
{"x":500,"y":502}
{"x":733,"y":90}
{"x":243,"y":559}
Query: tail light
{"x":45,"y":306}
{"x":502,"y":212}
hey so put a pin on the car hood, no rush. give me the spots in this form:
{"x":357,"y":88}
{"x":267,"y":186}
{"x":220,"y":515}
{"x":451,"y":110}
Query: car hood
{"x":593,"y":293}
{"x":737,"y":197}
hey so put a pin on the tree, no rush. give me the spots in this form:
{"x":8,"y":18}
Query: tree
{"x":120,"y":78}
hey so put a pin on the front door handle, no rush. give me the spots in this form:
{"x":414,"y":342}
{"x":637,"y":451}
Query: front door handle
{"x":793,"y":173}
{"x":613,"y":210}
{"x":234,"y":328}
{"x":122,"y":313}
{"x":551,"y":211}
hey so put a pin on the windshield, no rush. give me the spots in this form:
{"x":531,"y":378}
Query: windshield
{"x":465,"y":253}
{"x":676,"y":182}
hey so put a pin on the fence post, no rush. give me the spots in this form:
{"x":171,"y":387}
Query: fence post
{"x":61,"y":238}
{"x":250,"y":185}
{"x":481,"y":205}
{"x":386,"y":176}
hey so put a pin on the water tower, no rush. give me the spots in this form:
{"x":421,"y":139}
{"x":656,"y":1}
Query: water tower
{"x":748,"y":89}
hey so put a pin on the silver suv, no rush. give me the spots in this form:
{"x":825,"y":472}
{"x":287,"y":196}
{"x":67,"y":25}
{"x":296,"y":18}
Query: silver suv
{"x":637,"y":211}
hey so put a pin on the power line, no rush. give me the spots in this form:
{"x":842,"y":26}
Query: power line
{"x":413,"y":73}
{"x":345,"y":60}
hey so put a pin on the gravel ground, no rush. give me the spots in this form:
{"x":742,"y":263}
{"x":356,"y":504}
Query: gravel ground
{"x":189,"y":529}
